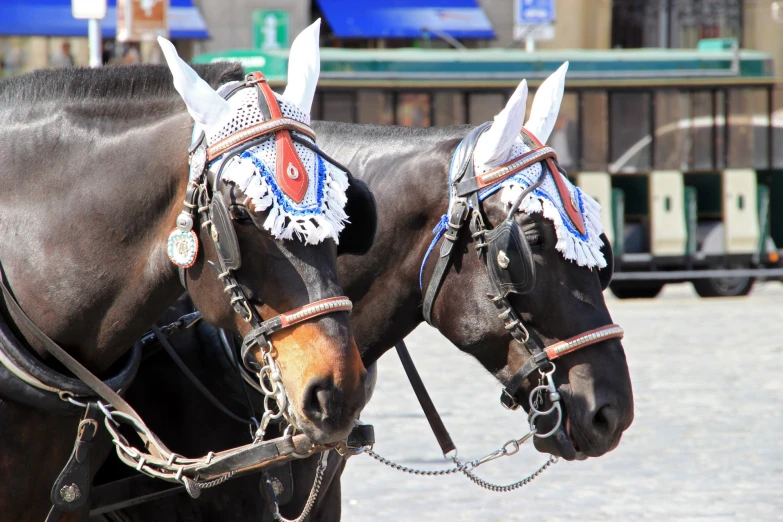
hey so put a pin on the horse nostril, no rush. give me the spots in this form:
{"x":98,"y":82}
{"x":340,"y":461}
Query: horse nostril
{"x":319,"y":399}
{"x":605,"y":419}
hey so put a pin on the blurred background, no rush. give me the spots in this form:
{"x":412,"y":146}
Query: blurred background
{"x":672,"y":118}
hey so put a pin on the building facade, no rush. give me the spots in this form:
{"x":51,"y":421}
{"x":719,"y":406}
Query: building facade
{"x":580,"y":24}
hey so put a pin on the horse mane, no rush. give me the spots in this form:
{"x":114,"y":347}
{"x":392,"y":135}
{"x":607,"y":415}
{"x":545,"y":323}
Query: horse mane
{"x":111,"y":83}
{"x":363,"y":134}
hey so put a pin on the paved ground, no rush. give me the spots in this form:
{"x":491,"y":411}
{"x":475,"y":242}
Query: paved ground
{"x":706,"y":444}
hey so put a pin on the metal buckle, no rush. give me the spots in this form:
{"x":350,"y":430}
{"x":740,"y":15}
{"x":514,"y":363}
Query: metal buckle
{"x":508,"y":401}
{"x":250,"y":80}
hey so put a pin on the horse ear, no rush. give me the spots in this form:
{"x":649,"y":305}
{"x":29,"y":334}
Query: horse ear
{"x":546,"y":105}
{"x":304,"y":66}
{"x":494,"y":145}
{"x":205,"y":105}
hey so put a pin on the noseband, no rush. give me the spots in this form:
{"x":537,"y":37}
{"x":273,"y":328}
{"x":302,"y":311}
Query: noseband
{"x":205,"y":199}
{"x":506,"y":254}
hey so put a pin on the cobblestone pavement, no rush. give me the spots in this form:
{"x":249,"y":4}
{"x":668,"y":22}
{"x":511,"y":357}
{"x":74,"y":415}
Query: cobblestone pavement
{"x":706,"y":442}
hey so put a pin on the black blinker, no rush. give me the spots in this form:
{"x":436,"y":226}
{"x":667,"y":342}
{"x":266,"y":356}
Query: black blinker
{"x":510,"y":262}
{"x":224,"y":235}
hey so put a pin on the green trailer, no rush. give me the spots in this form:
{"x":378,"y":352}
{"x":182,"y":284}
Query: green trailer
{"x":683,"y":148}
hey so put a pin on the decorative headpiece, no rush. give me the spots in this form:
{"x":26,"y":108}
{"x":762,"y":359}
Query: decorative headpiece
{"x":578,"y":242}
{"x":285,"y":175}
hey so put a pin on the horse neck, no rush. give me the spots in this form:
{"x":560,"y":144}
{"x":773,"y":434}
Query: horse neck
{"x":409,"y":179}
{"x":83,"y":228}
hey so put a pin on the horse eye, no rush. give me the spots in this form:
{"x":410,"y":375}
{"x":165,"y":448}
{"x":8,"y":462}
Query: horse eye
{"x":533,"y":238}
{"x":240,"y":214}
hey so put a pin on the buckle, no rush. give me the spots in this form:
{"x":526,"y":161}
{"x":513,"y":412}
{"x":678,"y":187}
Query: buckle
{"x":457,"y":215}
{"x":254,"y":78}
{"x":508,"y":401}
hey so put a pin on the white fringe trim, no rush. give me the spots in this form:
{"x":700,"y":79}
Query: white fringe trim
{"x":584,"y":253}
{"x":282,"y":224}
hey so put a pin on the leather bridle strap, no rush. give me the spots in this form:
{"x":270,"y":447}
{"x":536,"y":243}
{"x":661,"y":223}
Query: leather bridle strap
{"x":74,"y":366}
{"x":195,"y":381}
{"x":256,"y":131}
{"x":505,"y":171}
{"x":294,"y":317}
{"x":554,"y":351}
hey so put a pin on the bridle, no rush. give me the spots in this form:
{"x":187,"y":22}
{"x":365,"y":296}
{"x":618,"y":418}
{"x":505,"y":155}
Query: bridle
{"x":27,"y":380}
{"x":506,"y":253}
{"x":508,"y":259}
{"x":203,"y":198}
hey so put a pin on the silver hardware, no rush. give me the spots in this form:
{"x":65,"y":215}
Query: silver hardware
{"x":319,"y":476}
{"x":277,"y":486}
{"x":509,"y":448}
{"x":215,"y":235}
{"x":184,"y":222}
{"x":503,"y":259}
{"x":70,"y":492}
{"x":197,"y":162}
{"x":292,"y":171}
{"x":537,"y":398}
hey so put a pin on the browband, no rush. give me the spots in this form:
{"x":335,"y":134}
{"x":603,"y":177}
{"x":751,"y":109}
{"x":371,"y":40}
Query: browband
{"x":256,"y":131}
{"x":504,"y":171}
{"x":610,"y":331}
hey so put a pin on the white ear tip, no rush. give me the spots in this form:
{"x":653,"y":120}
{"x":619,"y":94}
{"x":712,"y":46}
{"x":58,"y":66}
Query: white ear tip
{"x":522,"y":89}
{"x":311,"y":31}
{"x":165,"y":44}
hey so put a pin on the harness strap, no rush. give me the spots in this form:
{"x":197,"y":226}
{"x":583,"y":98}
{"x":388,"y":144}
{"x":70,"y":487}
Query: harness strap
{"x":610,"y":331}
{"x":71,"y":490}
{"x":441,"y":269}
{"x":505,"y":171}
{"x":255,"y":131}
{"x":436,"y":423}
{"x":74,"y":366}
{"x":290,"y":173}
{"x":288,"y":319}
{"x":552,"y":352}
{"x":195,"y":381}
{"x":569,"y":204}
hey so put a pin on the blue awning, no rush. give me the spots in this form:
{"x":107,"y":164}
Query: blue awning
{"x":406,"y":18}
{"x":53,"y":18}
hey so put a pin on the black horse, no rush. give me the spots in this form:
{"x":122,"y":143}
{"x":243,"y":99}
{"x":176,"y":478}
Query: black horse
{"x":407,"y":170}
{"x":94,"y":174}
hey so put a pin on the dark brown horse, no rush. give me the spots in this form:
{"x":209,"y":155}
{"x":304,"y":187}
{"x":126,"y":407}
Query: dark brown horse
{"x":407,"y":170}
{"x":93,"y":175}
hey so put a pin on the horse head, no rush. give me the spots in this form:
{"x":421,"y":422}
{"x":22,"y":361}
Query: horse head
{"x":271,"y":209}
{"x":548,"y":259}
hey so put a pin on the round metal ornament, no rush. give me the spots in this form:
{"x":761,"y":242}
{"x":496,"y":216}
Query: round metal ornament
{"x":182,"y":247}
{"x":70,"y":492}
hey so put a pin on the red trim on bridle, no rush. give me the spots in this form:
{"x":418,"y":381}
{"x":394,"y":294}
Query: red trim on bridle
{"x":610,"y":331}
{"x":290,"y":173}
{"x":318,"y":308}
{"x":569,"y":203}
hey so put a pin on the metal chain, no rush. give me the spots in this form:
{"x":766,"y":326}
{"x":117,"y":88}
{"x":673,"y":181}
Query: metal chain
{"x":508,"y":449}
{"x":510,"y":487}
{"x":159,"y":462}
{"x":319,"y":475}
{"x":414,"y":471}
{"x":274,"y":391}
{"x":216,"y":482}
